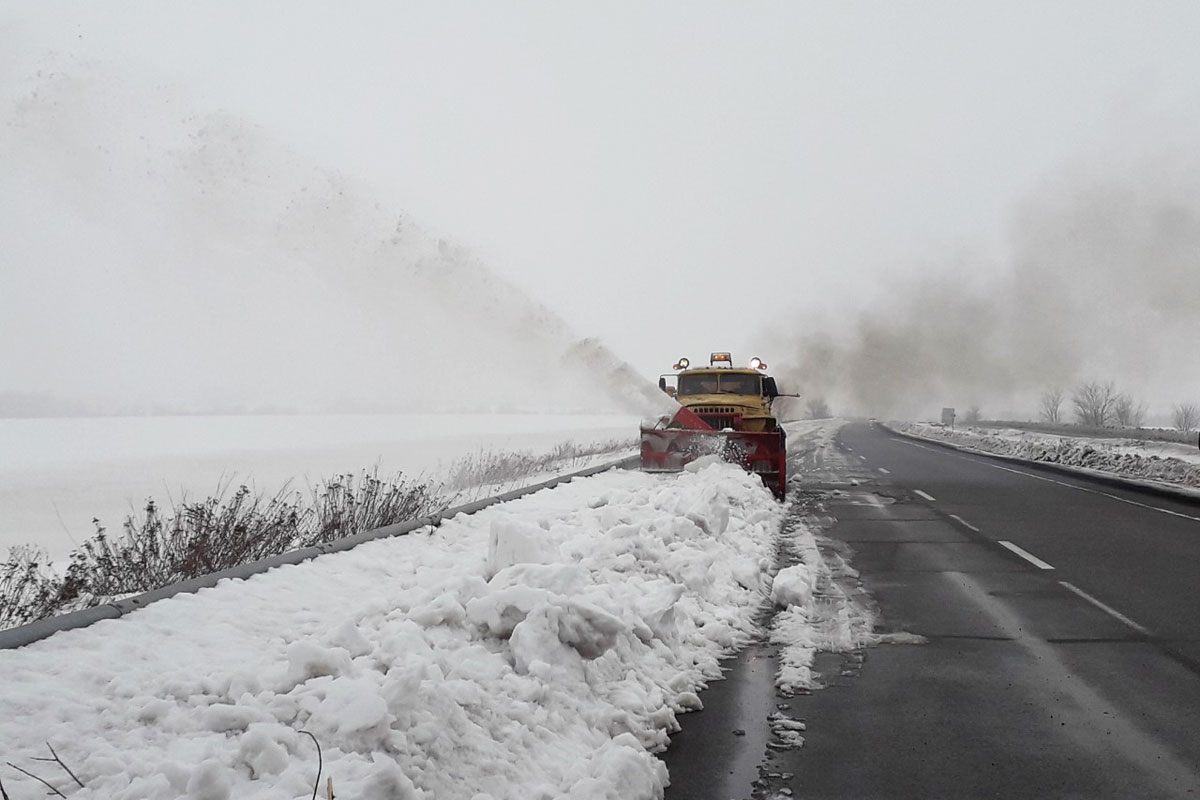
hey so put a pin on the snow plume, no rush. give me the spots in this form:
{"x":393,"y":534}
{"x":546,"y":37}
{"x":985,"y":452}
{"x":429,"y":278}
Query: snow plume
{"x":1101,"y":282}
{"x":160,"y":258}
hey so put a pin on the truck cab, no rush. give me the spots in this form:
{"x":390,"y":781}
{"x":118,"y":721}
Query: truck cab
{"x":724,"y":396}
{"x":723,"y":411}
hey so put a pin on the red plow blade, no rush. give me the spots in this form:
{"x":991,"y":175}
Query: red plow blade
{"x":671,"y":449}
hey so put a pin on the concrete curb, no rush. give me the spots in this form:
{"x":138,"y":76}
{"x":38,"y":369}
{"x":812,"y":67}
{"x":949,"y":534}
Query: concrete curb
{"x":35,"y":631}
{"x":1187,"y":495}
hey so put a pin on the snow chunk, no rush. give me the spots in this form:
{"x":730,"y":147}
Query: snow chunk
{"x":210,"y":781}
{"x":515,"y":541}
{"x":538,"y":650}
{"x":793,"y":586}
{"x":224,"y":718}
{"x":388,"y":782}
{"x":621,"y":769}
{"x":307,"y":660}
{"x":348,"y":637}
{"x":657,"y":610}
{"x":589,"y":629}
{"x":263,"y":749}
{"x":704,"y":462}
{"x":351,"y":706}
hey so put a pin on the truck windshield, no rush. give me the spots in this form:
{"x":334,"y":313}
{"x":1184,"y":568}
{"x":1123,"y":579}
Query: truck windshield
{"x":720,"y":384}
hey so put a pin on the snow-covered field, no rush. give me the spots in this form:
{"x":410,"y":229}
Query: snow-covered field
{"x":56,"y":475}
{"x":540,"y":648}
{"x":1162,"y":462}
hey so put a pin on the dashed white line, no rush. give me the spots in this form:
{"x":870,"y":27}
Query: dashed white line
{"x":884,"y":471}
{"x":963,"y":522}
{"x":926,"y":495}
{"x":920,"y":446}
{"x":1025,"y":554}
{"x":1107,"y":609}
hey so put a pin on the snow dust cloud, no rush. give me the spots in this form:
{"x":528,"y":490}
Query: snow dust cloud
{"x":1100,"y":281}
{"x":159,"y":259}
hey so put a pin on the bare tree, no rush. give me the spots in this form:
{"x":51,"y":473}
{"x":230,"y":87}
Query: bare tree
{"x":817,"y":408}
{"x":1094,"y":403}
{"x":1187,"y":417}
{"x":1129,"y":413}
{"x":1050,"y":404}
{"x":972,"y":416}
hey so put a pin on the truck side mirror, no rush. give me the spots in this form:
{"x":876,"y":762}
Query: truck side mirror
{"x":769,"y":388}
{"x":662,"y":384}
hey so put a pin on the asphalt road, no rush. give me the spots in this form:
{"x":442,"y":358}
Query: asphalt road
{"x":1062,"y":654}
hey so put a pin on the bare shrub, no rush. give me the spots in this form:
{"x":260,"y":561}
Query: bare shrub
{"x":157,"y":548}
{"x":1050,"y":404}
{"x":348,"y":504}
{"x":817,"y":408}
{"x":488,"y":468}
{"x":973,"y":415}
{"x":27,"y":586}
{"x":1186,"y":417}
{"x":194,"y":538}
{"x":1127,"y":412}
{"x":1093,"y":403}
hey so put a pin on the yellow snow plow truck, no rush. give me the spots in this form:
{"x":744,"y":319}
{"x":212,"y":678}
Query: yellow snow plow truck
{"x":724,"y":410}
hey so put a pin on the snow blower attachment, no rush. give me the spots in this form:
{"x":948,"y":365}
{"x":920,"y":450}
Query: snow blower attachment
{"x":724,"y":411}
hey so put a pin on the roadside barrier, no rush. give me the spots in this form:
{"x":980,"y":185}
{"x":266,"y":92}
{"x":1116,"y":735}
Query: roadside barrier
{"x":1184,"y":493}
{"x":35,"y":631}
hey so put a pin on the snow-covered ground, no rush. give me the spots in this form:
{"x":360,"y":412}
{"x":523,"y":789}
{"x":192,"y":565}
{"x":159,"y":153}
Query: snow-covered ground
{"x":540,"y":648}
{"x":1161,"y":462}
{"x":56,"y":475}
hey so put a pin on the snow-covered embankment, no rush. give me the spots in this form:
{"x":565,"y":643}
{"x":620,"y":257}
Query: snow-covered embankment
{"x":540,"y":648}
{"x":1166,"y":463}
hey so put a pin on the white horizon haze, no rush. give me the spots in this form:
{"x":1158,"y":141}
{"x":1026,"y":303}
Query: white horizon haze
{"x":669,"y":179}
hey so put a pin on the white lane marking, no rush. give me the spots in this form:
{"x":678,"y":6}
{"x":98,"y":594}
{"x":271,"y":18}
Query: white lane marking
{"x":1107,"y":609}
{"x":1025,"y":554}
{"x":926,"y":495}
{"x":919,"y":446}
{"x":986,"y":463}
{"x":884,"y":471}
{"x":963,"y":522}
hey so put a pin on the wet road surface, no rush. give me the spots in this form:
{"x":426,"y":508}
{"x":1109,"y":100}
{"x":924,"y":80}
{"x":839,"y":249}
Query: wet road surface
{"x":1061,"y":621}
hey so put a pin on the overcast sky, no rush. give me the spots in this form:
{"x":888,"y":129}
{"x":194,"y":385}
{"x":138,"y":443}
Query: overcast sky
{"x":672,"y":177}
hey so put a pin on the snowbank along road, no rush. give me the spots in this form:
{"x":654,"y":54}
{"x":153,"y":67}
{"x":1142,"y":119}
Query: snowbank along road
{"x":1168,"y":464}
{"x":540,"y":648}
{"x":1060,"y":654}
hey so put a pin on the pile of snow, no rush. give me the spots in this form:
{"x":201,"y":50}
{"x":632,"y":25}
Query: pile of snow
{"x":540,"y":648}
{"x":1164,"y":462}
